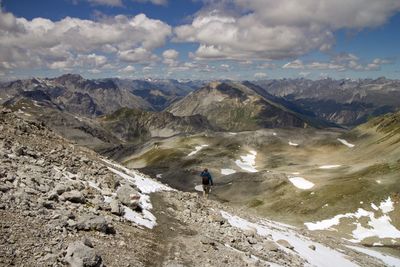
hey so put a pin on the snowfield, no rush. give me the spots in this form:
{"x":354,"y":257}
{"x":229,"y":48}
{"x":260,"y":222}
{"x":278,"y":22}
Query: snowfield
{"x":325,"y":167}
{"x":301,"y":183}
{"x":389,"y":260}
{"x":248,"y":162}
{"x":146,"y":186}
{"x":292,"y":144}
{"x":344,"y":142}
{"x":199,"y":188}
{"x":379,"y":226}
{"x":322,"y":256}
{"x":227,"y":171}
{"x":196,"y":150}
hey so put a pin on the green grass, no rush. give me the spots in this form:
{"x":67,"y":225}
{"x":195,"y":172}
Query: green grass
{"x":255,"y":203}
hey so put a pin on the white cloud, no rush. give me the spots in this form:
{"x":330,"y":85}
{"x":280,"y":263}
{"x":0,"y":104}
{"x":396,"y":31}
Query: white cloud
{"x":225,"y":66}
{"x":128,"y":69}
{"x":106,"y":2}
{"x":340,"y":62}
{"x":171,"y":54}
{"x":156,"y":2}
{"x":266,"y":65}
{"x":270,"y":29}
{"x":137,"y":55}
{"x":75,"y":42}
{"x":304,"y":73}
{"x":120,"y":2}
{"x":260,"y":75}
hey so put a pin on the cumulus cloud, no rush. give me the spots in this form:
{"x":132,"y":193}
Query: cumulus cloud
{"x":156,"y":2}
{"x":270,"y":29}
{"x":106,"y":2}
{"x":260,"y":75}
{"x":128,"y":69}
{"x":119,"y":3}
{"x":340,"y":62}
{"x":75,"y":42}
{"x":171,"y":57}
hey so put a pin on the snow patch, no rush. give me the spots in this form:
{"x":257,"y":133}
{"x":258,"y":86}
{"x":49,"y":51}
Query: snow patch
{"x":227,"y":171}
{"x":344,"y":142}
{"x":248,"y":162}
{"x":146,"y":186}
{"x":388,"y":260}
{"x":197,"y":149}
{"x":292,"y":144}
{"x":322,"y":256}
{"x":329,"y":166}
{"x":199,"y":188}
{"x":146,"y":219}
{"x":380,"y":227}
{"x":301,"y":183}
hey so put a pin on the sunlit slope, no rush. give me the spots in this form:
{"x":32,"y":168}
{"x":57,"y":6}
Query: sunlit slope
{"x":300,"y":176}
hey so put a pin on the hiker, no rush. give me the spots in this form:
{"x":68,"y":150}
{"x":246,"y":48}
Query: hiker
{"x":207,"y":182}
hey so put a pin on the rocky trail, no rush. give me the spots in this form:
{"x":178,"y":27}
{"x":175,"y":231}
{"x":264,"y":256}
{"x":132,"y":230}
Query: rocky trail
{"x":63,"y":205}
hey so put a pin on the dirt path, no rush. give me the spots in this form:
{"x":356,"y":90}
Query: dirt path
{"x":170,"y":233}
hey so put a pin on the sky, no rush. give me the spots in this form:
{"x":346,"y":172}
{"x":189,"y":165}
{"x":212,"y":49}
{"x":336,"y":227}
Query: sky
{"x":200,"y":39}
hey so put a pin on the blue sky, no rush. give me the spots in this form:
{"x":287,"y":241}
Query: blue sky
{"x":200,"y":39}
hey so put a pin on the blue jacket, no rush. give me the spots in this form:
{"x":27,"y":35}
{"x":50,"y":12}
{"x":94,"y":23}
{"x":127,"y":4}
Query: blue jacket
{"x":207,"y":179}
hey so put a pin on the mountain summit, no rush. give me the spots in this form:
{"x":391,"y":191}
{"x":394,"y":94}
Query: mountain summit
{"x":235,"y":106}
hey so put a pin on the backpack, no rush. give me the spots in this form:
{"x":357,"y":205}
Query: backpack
{"x":205,"y":179}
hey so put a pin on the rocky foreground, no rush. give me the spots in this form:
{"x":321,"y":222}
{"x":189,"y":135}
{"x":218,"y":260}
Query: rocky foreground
{"x":63,"y":205}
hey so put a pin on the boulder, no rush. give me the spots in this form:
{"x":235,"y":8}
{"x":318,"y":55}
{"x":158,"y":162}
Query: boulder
{"x":270,"y":246}
{"x":94,"y":223}
{"x":285,"y":243}
{"x":116,"y":207}
{"x":61,"y":188}
{"x":128,"y":196}
{"x":80,"y":255}
{"x":74,"y":196}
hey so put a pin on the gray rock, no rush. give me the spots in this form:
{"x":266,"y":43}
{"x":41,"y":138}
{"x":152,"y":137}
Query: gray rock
{"x":270,"y":246}
{"x":5,"y":187}
{"x":128,"y":196}
{"x":74,"y":196}
{"x":94,"y":223}
{"x":252,"y":240}
{"x":250,"y":232}
{"x":207,"y":241}
{"x":87,"y":242}
{"x":61,"y":188}
{"x":19,"y":150}
{"x":285,"y":243}
{"x":116,"y":207}
{"x":312,"y":247}
{"x":80,"y":255}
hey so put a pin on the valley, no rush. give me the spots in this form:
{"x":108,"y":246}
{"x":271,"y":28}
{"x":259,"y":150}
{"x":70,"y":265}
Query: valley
{"x":269,"y":156}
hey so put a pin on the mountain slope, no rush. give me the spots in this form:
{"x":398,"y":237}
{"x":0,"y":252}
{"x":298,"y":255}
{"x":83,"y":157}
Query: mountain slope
{"x":76,"y":94}
{"x":65,"y":205}
{"x":135,"y":125}
{"x":346,"y":102}
{"x":238,"y":107}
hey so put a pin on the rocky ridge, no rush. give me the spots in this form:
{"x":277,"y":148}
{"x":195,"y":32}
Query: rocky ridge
{"x":64,"y":205}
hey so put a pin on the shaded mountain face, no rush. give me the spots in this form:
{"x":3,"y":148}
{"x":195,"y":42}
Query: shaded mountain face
{"x":75,"y":94}
{"x":346,"y":102}
{"x":93,"y":98}
{"x":238,"y":107}
{"x":159,"y":93}
{"x":131,"y":125}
